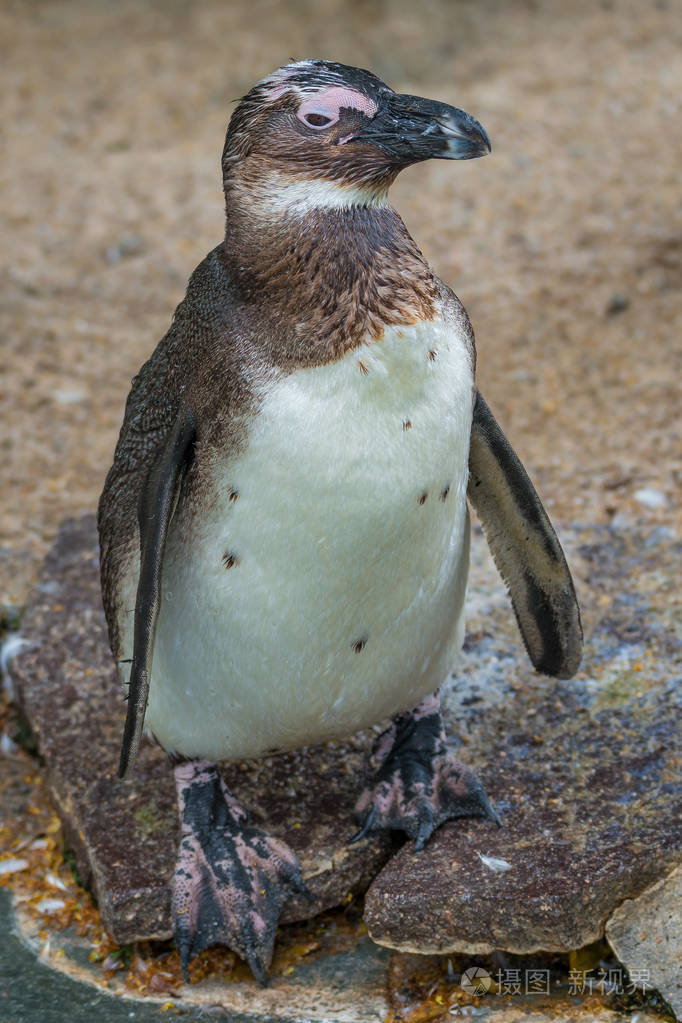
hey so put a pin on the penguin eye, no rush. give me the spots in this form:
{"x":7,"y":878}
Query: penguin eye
{"x":322,"y":109}
{"x":316,"y":120}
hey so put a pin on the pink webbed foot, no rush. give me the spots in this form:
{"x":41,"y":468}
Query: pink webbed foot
{"x":419,"y":784}
{"x":231,"y":879}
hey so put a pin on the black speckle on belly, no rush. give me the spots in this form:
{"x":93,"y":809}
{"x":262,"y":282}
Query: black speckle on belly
{"x":230,"y":559}
{"x":359,"y":644}
{"x":444,"y":493}
{"x":422,"y":497}
{"x":233,"y":495}
{"x":407,"y":424}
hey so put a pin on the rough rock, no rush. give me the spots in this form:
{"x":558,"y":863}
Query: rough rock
{"x":584,"y":773}
{"x":361,"y":983}
{"x":646,"y":935}
{"x":125,"y":833}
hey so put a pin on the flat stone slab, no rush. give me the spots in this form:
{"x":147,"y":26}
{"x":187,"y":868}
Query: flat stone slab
{"x":584,"y":773}
{"x":646,"y":935}
{"x":125,"y":833}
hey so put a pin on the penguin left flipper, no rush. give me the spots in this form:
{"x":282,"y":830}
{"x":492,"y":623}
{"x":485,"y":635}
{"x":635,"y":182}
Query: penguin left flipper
{"x":525,"y":548}
{"x":157,"y":502}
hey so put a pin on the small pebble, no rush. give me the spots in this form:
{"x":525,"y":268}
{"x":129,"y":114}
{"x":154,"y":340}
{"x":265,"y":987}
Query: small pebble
{"x":55,"y":881}
{"x":651,"y":498}
{"x":660,"y":535}
{"x":619,"y":521}
{"x":8,"y":650}
{"x":66,"y":397}
{"x":111,"y":963}
{"x":50,"y":905}
{"x":618,"y":303}
{"x":129,"y":245}
{"x":8,"y":747}
{"x":51,"y":586}
{"x":12,"y":866}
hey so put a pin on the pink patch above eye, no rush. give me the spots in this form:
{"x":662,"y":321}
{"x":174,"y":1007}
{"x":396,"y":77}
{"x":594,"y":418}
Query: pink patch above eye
{"x":332,"y":101}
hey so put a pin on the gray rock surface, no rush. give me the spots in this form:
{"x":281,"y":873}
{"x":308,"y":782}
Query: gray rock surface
{"x":584,"y":773}
{"x":125,"y":833}
{"x":646,"y":935}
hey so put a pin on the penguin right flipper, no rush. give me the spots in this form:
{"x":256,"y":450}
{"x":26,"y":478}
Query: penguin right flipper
{"x":525,"y":548}
{"x":158,"y":499}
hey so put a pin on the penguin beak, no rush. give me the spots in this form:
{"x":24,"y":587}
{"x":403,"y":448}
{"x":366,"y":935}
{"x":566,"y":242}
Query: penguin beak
{"x":412,"y":129}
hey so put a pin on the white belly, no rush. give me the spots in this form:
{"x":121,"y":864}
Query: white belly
{"x":329,"y":594}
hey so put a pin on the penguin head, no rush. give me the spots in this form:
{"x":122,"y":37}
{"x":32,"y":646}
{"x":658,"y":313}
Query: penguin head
{"x":329,"y":128}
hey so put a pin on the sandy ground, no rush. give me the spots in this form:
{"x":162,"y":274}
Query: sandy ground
{"x":565,"y":245}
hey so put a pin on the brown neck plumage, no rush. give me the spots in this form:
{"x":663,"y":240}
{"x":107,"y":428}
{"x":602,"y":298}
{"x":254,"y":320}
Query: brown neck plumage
{"x":327,"y":279}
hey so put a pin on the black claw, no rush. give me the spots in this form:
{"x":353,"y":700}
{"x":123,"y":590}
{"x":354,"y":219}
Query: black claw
{"x":294,"y":879}
{"x":182,"y":945}
{"x":365,"y":827}
{"x":483,"y":805}
{"x":424,"y":832}
{"x":258,"y":968}
{"x":302,"y":889}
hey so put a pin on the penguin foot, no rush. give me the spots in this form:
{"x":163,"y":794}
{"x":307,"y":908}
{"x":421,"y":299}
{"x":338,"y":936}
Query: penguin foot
{"x":418,"y":783}
{"x":231,"y":879}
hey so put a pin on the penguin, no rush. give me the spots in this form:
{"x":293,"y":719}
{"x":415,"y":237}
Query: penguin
{"x":284,"y":530}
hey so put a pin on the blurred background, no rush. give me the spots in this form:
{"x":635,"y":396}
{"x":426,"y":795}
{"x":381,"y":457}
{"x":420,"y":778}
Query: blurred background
{"x":565,"y":245}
